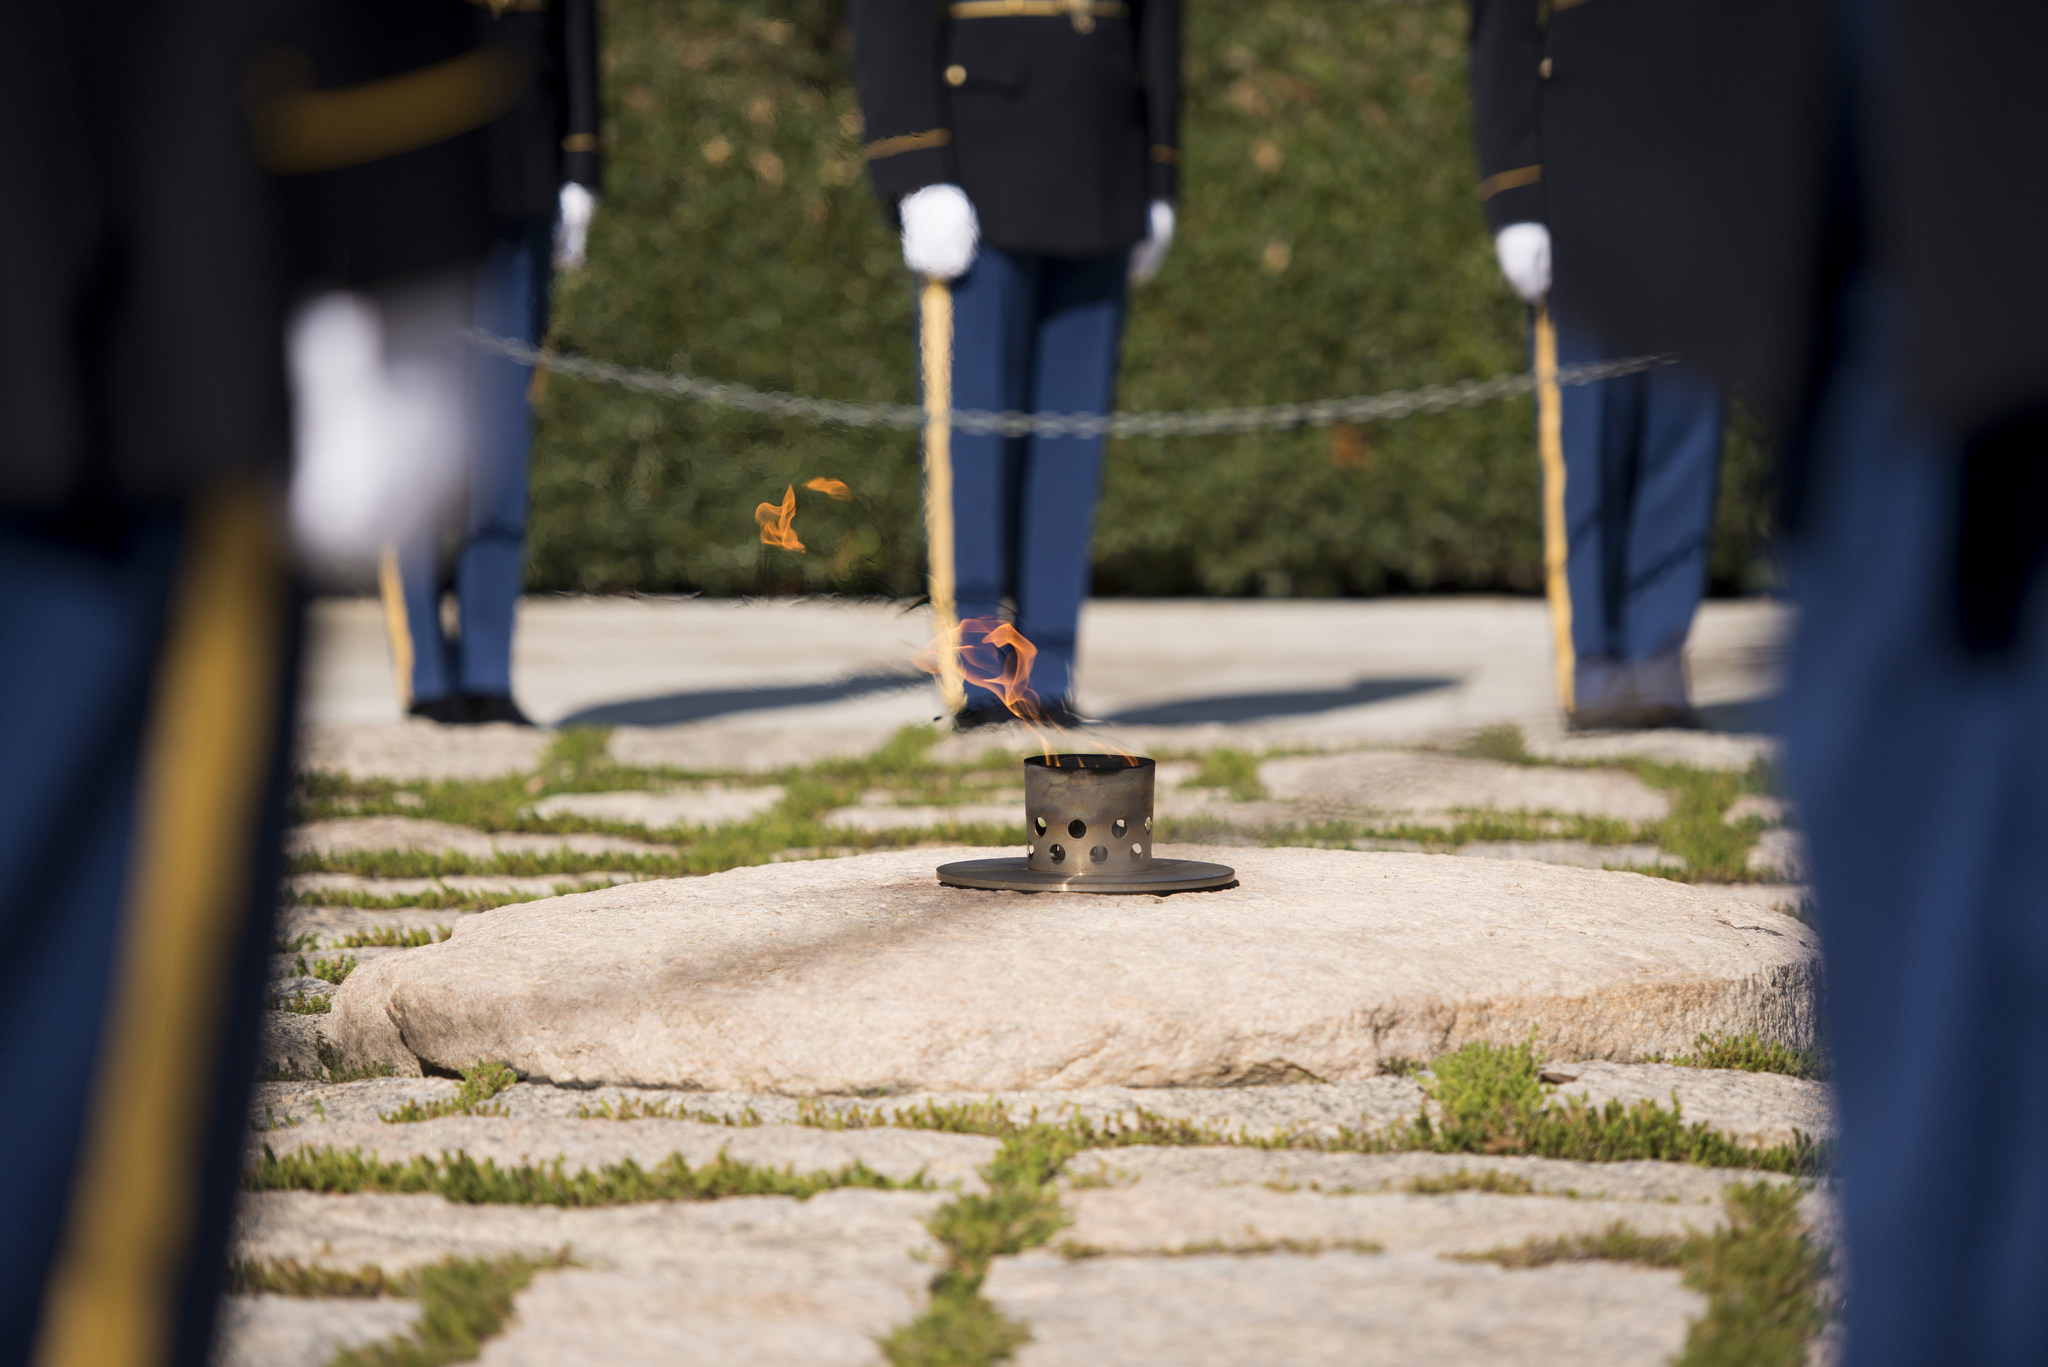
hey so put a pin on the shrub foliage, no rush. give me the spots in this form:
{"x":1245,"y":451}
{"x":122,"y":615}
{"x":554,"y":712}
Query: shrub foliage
{"x":1330,"y":244}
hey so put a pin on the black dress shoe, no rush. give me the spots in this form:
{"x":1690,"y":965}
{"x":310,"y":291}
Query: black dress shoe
{"x":1062,"y":713}
{"x":490,"y":707}
{"x":984,"y":714}
{"x":447,"y":711}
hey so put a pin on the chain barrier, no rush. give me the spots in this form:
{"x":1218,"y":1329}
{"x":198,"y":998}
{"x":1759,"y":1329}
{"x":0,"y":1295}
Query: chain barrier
{"x":1200,"y":422}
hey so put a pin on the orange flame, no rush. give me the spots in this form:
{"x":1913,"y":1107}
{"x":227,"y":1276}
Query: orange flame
{"x":778,"y":523}
{"x":977,"y":647}
{"x":830,"y":488}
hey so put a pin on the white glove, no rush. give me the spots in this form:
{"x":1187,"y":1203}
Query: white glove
{"x":380,"y":418}
{"x":572,"y":228}
{"x":1148,"y":256}
{"x":940,"y":231}
{"x":1524,"y":252}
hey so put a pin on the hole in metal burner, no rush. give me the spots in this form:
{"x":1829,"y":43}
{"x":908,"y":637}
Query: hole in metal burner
{"x":1148,"y":825}
{"x":1137,"y":851}
{"x":1058,"y":853}
{"x":1040,"y":825}
{"x":1098,"y":854}
{"x":1077,"y":828}
{"x":1118,"y":828}
{"x":1031,"y":849}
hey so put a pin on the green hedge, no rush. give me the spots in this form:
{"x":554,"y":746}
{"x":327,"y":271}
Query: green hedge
{"x":1330,"y":243}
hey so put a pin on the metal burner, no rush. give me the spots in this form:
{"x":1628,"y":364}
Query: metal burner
{"x":1088,"y":824}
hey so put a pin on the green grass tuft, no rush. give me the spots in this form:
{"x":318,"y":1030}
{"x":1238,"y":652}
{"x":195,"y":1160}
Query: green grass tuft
{"x":384,"y":937}
{"x":462,"y":1179}
{"x":1504,"y":743}
{"x":463,"y":1302}
{"x":326,"y":970}
{"x":1234,"y":770}
{"x":1761,"y":1276}
{"x":1617,"y":1243}
{"x":1750,"y":1054}
{"x":1492,"y":1100}
{"x":285,"y":1277}
{"x":960,"y":1327}
{"x":1492,"y":1181}
{"x":479,"y":1085}
{"x":307,"y":1005}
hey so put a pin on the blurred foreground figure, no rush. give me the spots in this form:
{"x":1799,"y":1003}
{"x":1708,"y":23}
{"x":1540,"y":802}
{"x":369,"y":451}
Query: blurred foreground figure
{"x":1838,"y":227}
{"x":545,"y":177}
{"x":1642,"y":452}
{"x":190,"y":183}
{"x":1030,"y":150}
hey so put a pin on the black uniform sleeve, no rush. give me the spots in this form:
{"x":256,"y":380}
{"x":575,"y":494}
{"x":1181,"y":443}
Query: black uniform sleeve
{"x":1159,"y":61}
{"x":896,"y":76}
{"x":582,"y":159}
{"x":1507,"y":84}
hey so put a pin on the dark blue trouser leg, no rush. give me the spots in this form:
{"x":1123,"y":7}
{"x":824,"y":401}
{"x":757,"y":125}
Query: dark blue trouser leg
{"x":995,"y":310}
{"x":1922,"y":774}
{"x":1037,"y":333}
{"x":1642,"y":459}
{"x":511,"y":301}
{"x":91,"y":619}
{"x":82,"y":624}
{"x":1074,"y":360}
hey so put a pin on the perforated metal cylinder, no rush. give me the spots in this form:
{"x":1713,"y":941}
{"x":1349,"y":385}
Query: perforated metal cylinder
{"x":1088,"y":815}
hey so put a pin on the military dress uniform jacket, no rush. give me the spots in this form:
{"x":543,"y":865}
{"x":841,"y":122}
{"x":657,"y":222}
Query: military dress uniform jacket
{"x":1673,"y":151}
{"x":193,"y":167}
{"x":1059,"y":118}
{"x":550,"y":136}
{"x":1688,"y":173}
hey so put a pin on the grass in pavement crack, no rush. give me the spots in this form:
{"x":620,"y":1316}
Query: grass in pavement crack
{"x":1492,"y":1099}
{"x":1761,"y":1275}
{"x":1749,"y":1054}
{"x":1489,"y":1100}
{"x":479,"y":1085}
{"x":463,"y":1302}
{"x":1232,"y":770}
{"x":960,"y":1327}
{"x":384,"y":937}
{"x":464,"y":1180}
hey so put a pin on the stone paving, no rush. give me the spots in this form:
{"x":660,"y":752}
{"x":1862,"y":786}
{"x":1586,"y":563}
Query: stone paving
{"x":1241,"y":1072}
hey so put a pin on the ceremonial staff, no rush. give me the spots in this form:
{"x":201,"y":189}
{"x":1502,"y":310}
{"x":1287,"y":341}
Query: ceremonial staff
{"x":936,"y":328}
{"x":1556,"y":536}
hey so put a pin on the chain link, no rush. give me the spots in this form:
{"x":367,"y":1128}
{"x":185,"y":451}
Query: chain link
{"x":1200,"y":422}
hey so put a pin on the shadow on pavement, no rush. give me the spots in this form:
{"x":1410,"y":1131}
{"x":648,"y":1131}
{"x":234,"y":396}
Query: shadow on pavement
{"x":675,"y":708}
{"x":1251,"y":706}
{"x":1751,"y":716}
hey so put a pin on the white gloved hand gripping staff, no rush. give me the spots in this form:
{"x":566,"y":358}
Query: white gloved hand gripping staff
{"x":941,"y":231}
{"x":572,"y":228}
{"x":380,"y":424}
{"x":1148,"y":256}
{"x":1524,"y":253}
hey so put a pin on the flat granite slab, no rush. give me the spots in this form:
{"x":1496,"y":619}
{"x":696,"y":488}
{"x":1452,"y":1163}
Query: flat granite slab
{"x":863,"y":975}
{"x":1339,"y":1309}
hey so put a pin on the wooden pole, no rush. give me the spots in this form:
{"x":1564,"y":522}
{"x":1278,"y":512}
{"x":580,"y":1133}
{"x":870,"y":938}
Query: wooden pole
{"x":936,"y":317}
{"x":392,"y":589}
{"x":1556,"y":535}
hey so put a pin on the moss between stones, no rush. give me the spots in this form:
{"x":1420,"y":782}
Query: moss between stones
{"x":479,"y":1085}
{"x":1750,"y":1054}
{"x":1761,"y":1275}
{"x":1695,"y":830}
{"x":461,"y":1178}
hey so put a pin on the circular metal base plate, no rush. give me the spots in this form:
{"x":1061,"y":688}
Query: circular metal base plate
{"x":1014,"y":875}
